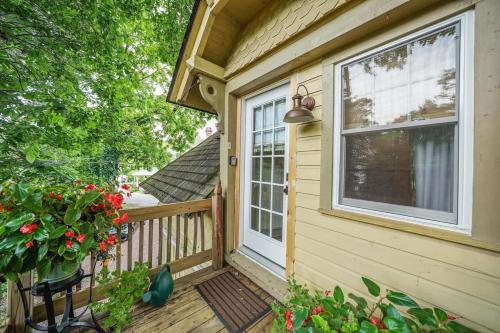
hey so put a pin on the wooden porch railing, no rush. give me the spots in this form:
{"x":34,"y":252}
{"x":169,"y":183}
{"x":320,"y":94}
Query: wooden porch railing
{"x":183,"y":226}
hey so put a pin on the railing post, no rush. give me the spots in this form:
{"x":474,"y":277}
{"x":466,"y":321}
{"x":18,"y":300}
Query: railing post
{"x":15,"y":310}
{"x":217,"y":234}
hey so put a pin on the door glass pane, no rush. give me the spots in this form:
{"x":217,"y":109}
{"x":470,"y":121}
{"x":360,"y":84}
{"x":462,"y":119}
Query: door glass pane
{"x":279,"y":141}
{"x":265,"y":222}
{"x":266,"y":169}
{"x":279,"y":113}
{"x":279,"y":170}
{"x":278,"y":198}
{"x":256,"y":168}
{"x":257,"y":141}
{"x":267,"y":145}
{"x":257,"y":118}
{"x":255,"y":194}
{"x":277,"y":232}
{"x":266,"y":196}
{"x":268,"y":115}
{"x":413,"y":167}
{"x":254,"y":219}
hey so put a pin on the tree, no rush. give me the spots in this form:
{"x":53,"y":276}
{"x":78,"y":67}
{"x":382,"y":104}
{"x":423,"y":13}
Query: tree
{"x":82,"y":87}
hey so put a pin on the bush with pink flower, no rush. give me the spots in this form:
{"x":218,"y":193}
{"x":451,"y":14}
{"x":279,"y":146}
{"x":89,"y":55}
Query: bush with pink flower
{"x":331,"y":312}
{"x":45,"y":226}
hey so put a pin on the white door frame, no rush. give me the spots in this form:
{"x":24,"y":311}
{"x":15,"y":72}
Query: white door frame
{"x":271,"y":259}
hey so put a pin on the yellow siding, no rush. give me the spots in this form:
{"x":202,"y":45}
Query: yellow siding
{"x":329,"y":250}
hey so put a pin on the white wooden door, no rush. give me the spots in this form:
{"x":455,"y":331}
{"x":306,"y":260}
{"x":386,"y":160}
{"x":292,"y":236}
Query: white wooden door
{"x":265,"y":173}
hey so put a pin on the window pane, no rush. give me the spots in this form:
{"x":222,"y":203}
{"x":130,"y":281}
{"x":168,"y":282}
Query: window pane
{"x":254,"y":218}
{"x":267,"y":146}
{"x":279,"y":170}
{"x":358,"y":85}
{"x":266,"y":169}
{"x":255,"y":194}
{"x":265,"y":222}
{"x":277,"y":227}
{"x":433,"y":71}
{"x":257,"y":118}
{"x":256,"y":168}
{"x":357,"y":112}
{"x":279,"y":141}
{"x":391,"y":69}
{"x":279,"y":112}
{"x":266,"y":196}
{"x":257,"y":140}
{"x":391,"y":106}
{"x":268,"y":116}
{"x":278,"y":199}
{"x":405,"y":167}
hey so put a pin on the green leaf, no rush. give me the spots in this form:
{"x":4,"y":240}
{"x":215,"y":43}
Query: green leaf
{"x":396,"y":325}
{"x":459,"y":328}
{"x":373,"y":288}
{"x":424,"y":316}
{"x":47,"y":218}
{"x":393,"y":312}
{"x":400,"y":298}
{"x":68,"y":266}
{"x":32,"y":152}
{"x":43,"y":268}
{"x":20,"y":191}
{"x":299,"y":315}
{"x":321,"y":323}
{"x":34,"y":201}
{"x":367,"y":327}
{"x":58,"y":232}
{"x":440,"y":315}
{"x":42,"y":251}
{"x":21,"y":248}
{"x":72,"y":215}
{"x":11,"y":242}
{"x":4,"y":260}
{"x":61,"y":250}
{"x":338,"y":295}
{"x":362,"y":303}
{"x":41,"y":234}
{"x":87,"y":198}
{"x":19,"y":220}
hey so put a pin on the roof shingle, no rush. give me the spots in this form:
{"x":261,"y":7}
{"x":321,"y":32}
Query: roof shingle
{"x":192,"y":176}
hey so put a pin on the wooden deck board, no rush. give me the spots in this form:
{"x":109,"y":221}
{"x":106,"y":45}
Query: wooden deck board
{"x":187,"y":311}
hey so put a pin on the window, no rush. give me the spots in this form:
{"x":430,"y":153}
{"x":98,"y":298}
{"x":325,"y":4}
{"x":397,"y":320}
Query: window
{"x":404,"y":125}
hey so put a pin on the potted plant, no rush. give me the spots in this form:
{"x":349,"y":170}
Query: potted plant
{"x":53,"y":228}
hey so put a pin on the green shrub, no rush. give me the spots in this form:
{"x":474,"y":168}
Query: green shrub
{"x":328,"y":312}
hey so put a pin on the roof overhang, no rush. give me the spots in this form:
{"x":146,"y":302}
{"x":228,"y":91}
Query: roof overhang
{"x":212,"y":32}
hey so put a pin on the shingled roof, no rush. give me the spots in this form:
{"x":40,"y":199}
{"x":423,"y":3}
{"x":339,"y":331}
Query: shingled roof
{"x":191,"y":176}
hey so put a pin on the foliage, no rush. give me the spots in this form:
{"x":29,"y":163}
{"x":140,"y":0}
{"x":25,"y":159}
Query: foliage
{"x":82,"y":87}
{"x":328,"y":312}
{"x":41,"y":226}
{"x":123,"y":290}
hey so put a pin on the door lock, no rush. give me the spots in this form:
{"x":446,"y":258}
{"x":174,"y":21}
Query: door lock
{"x":285,"y":189}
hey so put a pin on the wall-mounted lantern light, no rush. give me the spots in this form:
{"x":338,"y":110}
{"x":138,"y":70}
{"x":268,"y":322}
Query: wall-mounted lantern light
{"x":301,"y":111}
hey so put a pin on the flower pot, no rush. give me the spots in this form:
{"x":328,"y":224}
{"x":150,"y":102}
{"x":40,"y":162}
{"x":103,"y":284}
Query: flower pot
{"x":57,"y":273}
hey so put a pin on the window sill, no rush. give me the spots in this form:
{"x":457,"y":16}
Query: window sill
{"x":447,"y":235}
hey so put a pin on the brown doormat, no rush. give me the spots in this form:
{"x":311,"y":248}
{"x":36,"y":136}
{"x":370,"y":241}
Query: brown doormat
{"x":235,"y":304}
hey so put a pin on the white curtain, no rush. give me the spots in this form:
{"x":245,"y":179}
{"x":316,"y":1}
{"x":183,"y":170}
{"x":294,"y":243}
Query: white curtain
{"x":434,"y":170}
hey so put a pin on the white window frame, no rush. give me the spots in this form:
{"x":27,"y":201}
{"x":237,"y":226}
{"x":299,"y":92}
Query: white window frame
{"x":463,"y":218}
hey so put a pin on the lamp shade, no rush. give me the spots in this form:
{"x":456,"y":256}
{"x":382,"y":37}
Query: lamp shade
{"x":299,"y":113}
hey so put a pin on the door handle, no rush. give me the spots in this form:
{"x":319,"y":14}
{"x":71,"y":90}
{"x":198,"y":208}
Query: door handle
{"x":285,"y":189}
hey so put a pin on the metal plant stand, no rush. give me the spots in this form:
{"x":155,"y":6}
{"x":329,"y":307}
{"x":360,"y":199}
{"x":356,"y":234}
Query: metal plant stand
{"x":47,"y":290}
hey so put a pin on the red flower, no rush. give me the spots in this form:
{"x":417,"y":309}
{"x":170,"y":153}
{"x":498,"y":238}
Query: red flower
{"x":289,"y":325}
{"x":377,"y":322}
{"x":315,"y":312}
{"x":52,"y":194}
{"x":1,"y":207}
{"x":121,"y":219}
{"x":94,"y":208}
{"x":90,"y":187}
{"x":28,"y":228}
{"x":102,"y":206}
{"x":108,"y":212}
{"x":115,"y":200}
{"x":103,"y":246}
{"x":69,"y":244}
{"x":80,"y":238}
{"x":328,"y":293}
{"x":29,"y":244}
{"x":59,"y":197}
{"x":320,"y":308}
{"x":288,"y":314}
{"x":102,"y":190}
{"x":450,"y":317}
{"x":111,"y":239}
{"x":125,"y":187}
{"x":69,"y":233}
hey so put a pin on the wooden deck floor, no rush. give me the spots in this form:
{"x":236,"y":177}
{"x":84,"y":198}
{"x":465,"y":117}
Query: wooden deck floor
{"x":187,"y":311}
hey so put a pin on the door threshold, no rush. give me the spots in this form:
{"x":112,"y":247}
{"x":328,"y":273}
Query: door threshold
{"x":261,"y":275}
{"x":263,"y":261}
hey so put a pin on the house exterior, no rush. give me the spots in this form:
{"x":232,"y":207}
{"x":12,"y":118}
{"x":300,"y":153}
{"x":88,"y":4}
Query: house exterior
{"x":397,"y":176}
